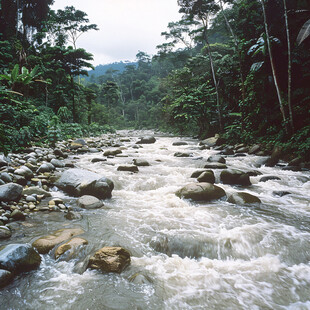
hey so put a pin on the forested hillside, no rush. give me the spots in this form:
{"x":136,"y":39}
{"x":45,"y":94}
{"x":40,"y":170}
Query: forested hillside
{"x":235,"y":67}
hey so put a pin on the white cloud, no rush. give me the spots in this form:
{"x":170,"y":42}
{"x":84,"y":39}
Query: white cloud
{"x":126,"y":26}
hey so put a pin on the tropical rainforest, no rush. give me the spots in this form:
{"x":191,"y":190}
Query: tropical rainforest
{"x":239,"y":68}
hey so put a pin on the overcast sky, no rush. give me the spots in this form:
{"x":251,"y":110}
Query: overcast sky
{"x":126,"y":26}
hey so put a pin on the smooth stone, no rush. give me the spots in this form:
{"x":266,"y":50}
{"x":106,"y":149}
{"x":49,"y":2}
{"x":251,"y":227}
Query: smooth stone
{"x":46,"y":167}
{"x":34,"y":190}
{"x":5,"y":232}
{"x":235,"y":177}
{"x":128,"y":168}
{"x":18,"y":258}
{"x":57,"y":163}
{"x":243,"y":198}
{"x":197,"y":173}
{"x":140,"y":162}
{"x":179,"y":143}
{"x":97,"y":160}
{"x":274,"y":158}
{"x":213,"y":141}
{"x":31,"y":199}
{"x":201,"y":192}
{"x":215,"y":166}
{"x":268,"y":178}
{"x":207,"y":177}
{"x":17,"y":215}
{"x":180,"y":154}
{"x":146,"y":140}
{"x":110,"y":259}
{"x":5,"y":277}
{"x":254,"y":149}
{"x":4,"y":176}
{"x":112,"y":152}
{"x":10,"y":192}
{"x":216,"y":159}
{"x":47,"y":243}
{"x":24,"y":172}
{"x":89,"y":202}
{"x":71,"y":215}
{"x":78,"y":143}
{"x":70,"y":245}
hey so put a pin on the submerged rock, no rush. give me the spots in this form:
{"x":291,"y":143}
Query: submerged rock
{"x":5,"y":232}
{"x":268,"y":178}
{"x":89,"y":202}
{"x":17,"y":258}
{"x":10,"y":192}
{"x":140,"y":162}
{"x":243,"y":198}
{"x":47,"y":243}
{"x":181,"y":154}
{"x":215,"y":166}
{"x":179,"y":143}
{"x":110,"y":259}
{"x":128,"y":168}
{"x":235,"y":177}
{"x":70,"y":246}
{"x":201,"y":192}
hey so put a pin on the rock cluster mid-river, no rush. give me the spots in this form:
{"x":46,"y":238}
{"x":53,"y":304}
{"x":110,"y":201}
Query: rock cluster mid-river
{"x":184,"y":254}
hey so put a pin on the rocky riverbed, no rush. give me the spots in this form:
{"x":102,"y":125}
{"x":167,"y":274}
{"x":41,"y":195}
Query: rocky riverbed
{"x":148,"y":206}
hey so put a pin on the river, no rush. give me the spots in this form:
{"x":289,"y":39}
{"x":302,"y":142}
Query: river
{"x":185,"y":255}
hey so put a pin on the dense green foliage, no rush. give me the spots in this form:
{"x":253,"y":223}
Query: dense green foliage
{"x":235,"y":67}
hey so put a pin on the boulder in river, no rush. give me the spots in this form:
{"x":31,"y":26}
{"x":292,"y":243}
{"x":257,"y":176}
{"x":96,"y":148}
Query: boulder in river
{"x":201,"y":192}
{"x":57,"y":163}
{"x":243,"y":198}
{"x":215,"y":166}
{"x":98,"y":159}
{"x":235,"y":177}
{"x":78,"y":143}
{"x":110,"y":259}
{"x":5,"y":277}
{"x":78,"y":182}
{"x":10,"y":192}
{"x":130,"y":168}
{"x":268,"y":178}
{"x":47,"y":243}
{"x":179,"y":143}
{"x":207,"y":176}
{"x":216,"y":159}
{"x":274,"y":158}
{"x":34,"y":190}
{"x":146,"y":140}
{"x":213,"y":141}
{"x":182,"y":154}
{"x":140,"y":162}
{"x":46,"y":167}
{"x":24,"y":172}
{"x":70,"y":246}
{"x":17,"y":258}
{"x":112,"y":152}
{"x":5,"y":232}
{"x":3,"y":161}
{"x":89,"y":202}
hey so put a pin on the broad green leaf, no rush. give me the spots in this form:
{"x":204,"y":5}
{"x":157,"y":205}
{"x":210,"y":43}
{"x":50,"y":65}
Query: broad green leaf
{"x":14,"y":73}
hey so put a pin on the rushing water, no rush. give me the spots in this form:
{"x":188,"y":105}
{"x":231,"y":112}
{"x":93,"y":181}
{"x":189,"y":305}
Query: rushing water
{"x":185,"y":255}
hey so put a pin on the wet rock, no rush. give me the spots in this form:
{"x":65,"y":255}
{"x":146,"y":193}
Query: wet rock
{"x":6,"y":177}
{"x":3,"y":161}
{"x":18,"y":258}
{"x":71,"y":215}
{"x":2,"y":182}
{"x":295,"y":162}
{"x":79,"y":182}
{"x":197,"y":173}
{"x":128,"y":168}
{"x":280,"y":193}
{"x":59,"y":153}
{"x":98,"y":159}
{"x":47,"y":243}
{"x":24,"y":172}
{"x":5,"y":277}
{"x":78,"y":143}
{"x":207,"y":177}
{"x":181,"y":154}
{"x":57,"y":163}
{"x":18,"y":215}
{"x":31,"y":199}
{"x":215,"y":166}
{"x":112,"y":152}
{"x":110,"y":259}
{"x":5,"y":232}
{"x":201,"y":192}
{"x":140,"y":162}
{"x":46,"y":167}
{"x":235,"y":177}
{"x":227,"y":151}
{"x":268,"y":178}
{"x":146,"y":140}
{"x":70,"y":246}
{"x":179,"y":143}
{"x":244,"y":149}
{"x":34,"y":190}
{"x":254,"y":149}
{"x":20,"y":180}
{"x":10,"y":192}
{"x":216,"y":159}
{"x":213,"y":141}
{"x":274,"y":158}
{"x":243,"y":198}
{"x":89,"y":202}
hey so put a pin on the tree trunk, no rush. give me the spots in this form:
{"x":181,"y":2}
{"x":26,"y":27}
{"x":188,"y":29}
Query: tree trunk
{"x":73,"y":100}
{"x":273,"y":66}
{"x":289,"y":69}
{"x":219,"y":112}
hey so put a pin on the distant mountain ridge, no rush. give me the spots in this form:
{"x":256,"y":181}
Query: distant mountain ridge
{"x":102,"y":69}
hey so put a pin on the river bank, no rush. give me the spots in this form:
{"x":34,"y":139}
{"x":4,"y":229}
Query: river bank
{"x":185,"y":253}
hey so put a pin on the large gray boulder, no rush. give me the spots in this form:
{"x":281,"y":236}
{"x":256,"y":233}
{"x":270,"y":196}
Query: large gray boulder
{"x":146,"y":140}
{"x":110,"y":259}
{"x":79,"y":182}
{"x":243,"y":198}
{"x":5,"y":277}
{"x":201,"y":192}
{"x":17,"y":258}
{"x":274,"y":157}
{"x":235,"y":177}
{"x":213,"y":141}
{"x":10,"y":192}
{"x":207,"y":176}
{"x":25,"y":172}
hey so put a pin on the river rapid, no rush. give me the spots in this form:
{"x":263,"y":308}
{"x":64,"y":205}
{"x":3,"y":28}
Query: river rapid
{"x":185,"y":255}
